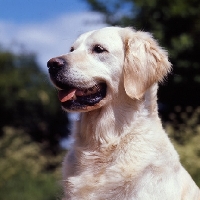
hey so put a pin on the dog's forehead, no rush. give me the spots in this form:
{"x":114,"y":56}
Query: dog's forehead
{"x":108,"y":36}
{"x":83,"y":37}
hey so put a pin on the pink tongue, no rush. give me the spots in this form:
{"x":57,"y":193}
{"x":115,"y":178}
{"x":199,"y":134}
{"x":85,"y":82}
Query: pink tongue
{"x":65,"y":95}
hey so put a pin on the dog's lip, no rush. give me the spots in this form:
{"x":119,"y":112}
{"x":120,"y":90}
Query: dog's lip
{"x":77,"y":99}
{"x":72,"y":93}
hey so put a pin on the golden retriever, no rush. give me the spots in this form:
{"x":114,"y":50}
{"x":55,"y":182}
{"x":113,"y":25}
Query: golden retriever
{"x":121,"y":151}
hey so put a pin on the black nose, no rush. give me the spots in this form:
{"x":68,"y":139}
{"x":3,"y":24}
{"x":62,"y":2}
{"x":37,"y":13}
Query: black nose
{"x":55,"y":63}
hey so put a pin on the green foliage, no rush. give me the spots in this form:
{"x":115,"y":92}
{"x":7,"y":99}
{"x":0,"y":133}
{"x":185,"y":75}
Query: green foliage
{"x":23,"y":186}
{"x":28,"y":101}
{"x":22,"y":169}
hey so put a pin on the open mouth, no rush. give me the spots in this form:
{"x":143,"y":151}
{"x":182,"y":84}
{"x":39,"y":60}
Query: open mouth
{"x":80,"y":98}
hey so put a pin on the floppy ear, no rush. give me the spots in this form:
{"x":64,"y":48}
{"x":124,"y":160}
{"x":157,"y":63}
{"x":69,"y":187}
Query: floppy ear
{"x":145,"y":63}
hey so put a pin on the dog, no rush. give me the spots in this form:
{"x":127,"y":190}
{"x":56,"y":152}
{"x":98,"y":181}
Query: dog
{"x":121,"y":151}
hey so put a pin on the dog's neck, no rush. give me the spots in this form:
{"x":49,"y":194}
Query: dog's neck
{"x":109,"y":123}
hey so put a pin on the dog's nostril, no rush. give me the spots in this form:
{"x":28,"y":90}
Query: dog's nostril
{"x":55,"y":62}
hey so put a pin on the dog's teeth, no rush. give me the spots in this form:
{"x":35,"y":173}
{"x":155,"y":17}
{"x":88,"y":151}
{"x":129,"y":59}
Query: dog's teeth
{"x":95,"y":89}
{"x":86,"y":92}
{"x":74,"y":97}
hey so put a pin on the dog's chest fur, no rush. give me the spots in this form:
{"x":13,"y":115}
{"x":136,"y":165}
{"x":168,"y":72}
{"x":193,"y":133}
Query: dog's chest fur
{"x":101,"y":170}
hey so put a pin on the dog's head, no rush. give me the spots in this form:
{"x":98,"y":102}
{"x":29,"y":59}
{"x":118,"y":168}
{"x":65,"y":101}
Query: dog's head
{"x":102,"y":62}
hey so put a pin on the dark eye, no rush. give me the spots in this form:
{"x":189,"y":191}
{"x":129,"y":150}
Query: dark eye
{"x":98,"y":49}
{"x":71,"y":49}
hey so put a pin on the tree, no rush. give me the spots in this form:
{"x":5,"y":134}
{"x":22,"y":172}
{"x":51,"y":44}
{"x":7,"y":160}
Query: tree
{"x":28,"y":101}
{"x":176,"y":25}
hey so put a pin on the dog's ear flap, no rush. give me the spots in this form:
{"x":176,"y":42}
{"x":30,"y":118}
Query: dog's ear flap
{"x":145,"y":63}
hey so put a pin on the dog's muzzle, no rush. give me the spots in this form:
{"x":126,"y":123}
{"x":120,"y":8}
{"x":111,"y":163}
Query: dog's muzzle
{"x":71,"y":96}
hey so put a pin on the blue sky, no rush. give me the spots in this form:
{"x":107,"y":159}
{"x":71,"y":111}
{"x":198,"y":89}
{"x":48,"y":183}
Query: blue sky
{"x":45,"y":27}
{"x":26,"y":11}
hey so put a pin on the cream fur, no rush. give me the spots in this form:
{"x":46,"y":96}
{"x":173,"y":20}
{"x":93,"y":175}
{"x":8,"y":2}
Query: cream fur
{"x":121,"y":151}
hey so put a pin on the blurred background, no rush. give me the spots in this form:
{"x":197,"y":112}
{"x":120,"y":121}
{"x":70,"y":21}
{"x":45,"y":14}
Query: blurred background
{"x":33,"y":128}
